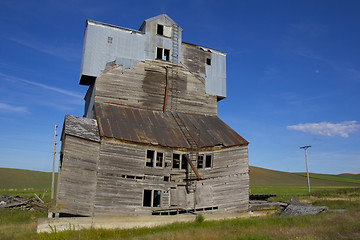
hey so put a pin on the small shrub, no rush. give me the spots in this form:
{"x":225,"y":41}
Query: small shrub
{"x":199,"y":218}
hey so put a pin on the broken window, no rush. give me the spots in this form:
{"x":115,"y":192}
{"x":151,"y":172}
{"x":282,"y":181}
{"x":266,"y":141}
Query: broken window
{"x":200,"y":162}
{"x":151,"y":198}
{"x":208,"y":161}
{"x":160,"y":29}
{"x":159,"y":159}
{"x":204,"y":161}
{"x":163,"y":54}
{"x":159,"y":53}
{"x":147,"y":198}
{"x":110,"y":40}
{"x":163,"y":30}
{"x":179,"y":161}
{"x":154,"y":159}
{"x":156,"y":199}
{"x":166,"y":55}
{"x":208,"y":61}
{"x":176,"y":160}
{"x":150,"y":158}
{"x":183,"y":162}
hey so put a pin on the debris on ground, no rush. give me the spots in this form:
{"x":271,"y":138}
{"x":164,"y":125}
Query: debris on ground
{"x":259,"y":202}
{"x":295,"y":208}
{"x":23,"y":203}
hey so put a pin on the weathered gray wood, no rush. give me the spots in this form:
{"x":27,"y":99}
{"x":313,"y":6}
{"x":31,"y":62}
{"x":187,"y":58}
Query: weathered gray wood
{"x":144,"y":86}
{"x":77,"y":178}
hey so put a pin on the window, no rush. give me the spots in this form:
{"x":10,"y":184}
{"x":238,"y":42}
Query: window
{"x":154,"y":159}
{"x":204,"y":161}
{"x":166,"y":56}
{"x":156,"y":199}
{"x":163,"y":30}
{"x":208,"y":161}
{"x":151,"y":198}
{"x":163,"y":54}
{"x":176,"y":160}
{"x":208,"y":61}
{"x":200,"y":162}
{"x":110,"y":40}
{"x":159,"y":53}
{"x":150,"y":158}
{"x":159,"y":159}
{"x":160,"y":29}
{"x":179,"y":161}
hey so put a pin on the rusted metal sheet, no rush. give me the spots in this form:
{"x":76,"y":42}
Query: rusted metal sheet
{"x":158,"y":128}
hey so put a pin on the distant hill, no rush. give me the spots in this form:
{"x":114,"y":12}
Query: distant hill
{"x":266,"y":177}
{"x":20,"y":179}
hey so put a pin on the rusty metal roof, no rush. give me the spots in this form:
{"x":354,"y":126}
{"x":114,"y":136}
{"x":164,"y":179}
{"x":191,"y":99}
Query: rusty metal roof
{"x":158,"y":128}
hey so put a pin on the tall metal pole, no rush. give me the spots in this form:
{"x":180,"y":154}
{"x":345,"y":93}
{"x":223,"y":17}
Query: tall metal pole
{"x":307,"y":169}
{"x":53,"y":169}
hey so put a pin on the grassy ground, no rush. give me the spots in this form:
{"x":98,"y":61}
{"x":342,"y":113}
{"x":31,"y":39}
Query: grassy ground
{"x":336,"y":192}
{"x":321,"y":226}
{"x":16,"y":224}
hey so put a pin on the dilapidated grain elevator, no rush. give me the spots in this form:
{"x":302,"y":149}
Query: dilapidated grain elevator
{"x":150,"y":141}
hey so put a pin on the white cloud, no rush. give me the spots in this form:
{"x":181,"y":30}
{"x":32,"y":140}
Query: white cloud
{"x":10,"y":108}
{"x":327,"y":129}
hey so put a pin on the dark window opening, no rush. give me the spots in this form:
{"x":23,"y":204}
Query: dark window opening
{"x":110,"y":40}
{"x":160,"y":29}
{"x":208,"y":162}
{"x":147,"y":198}
{"x":159,"y":159}
{"x":184,"y":162}
{"x":156,"y":201}
{"x":166,"y":178}
{"x":61,"y":160}
{"x":166,"y":55}
{"x":159,"y":53}
{"x":208,"y":61}
{"x":150,"y":158}
{"x":176,"y":160}
{"x":200,"y":162}
{"x":163,"y":54}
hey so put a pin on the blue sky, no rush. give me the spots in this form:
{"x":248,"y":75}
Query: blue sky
{"x":293,"y":74}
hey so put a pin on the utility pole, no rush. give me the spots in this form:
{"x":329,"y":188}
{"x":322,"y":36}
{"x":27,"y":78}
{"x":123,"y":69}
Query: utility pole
{"x":307,"y":169}
{"x":53,"y":170}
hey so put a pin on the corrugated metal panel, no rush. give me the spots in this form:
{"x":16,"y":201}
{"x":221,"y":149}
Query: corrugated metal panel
{"x":158,"y":128}
{"x":81,"y":127}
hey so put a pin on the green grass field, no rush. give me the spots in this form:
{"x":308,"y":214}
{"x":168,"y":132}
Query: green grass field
{"x":334,"y":191}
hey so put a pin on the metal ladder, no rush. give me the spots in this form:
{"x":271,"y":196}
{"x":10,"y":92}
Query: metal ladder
{"x":175,"y":44}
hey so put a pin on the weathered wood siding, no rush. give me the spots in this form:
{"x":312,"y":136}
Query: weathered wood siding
{"x":122,"y":177}
{"x":194,"y":58}
{"x":144,"y":86}
{"x":77,"y":178}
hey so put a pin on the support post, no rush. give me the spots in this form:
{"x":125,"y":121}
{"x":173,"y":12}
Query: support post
{"x":53,"y":169}
{"x":307,"y":169}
